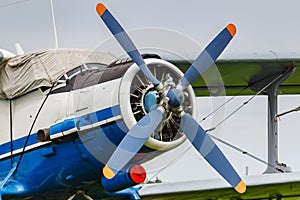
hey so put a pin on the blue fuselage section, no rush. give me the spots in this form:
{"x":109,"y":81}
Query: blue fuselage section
{"x":63,"y":165}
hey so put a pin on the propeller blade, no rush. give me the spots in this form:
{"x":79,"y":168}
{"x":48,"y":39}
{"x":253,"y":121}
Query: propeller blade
{"x":125,"y":41}
{"x":210,"y":151}
{"x":132,"y":143}
{"x":208,"y":56}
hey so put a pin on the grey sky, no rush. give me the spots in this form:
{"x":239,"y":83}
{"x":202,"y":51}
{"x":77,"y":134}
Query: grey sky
{"x":263,"y":27}
{"x":261,"y":24}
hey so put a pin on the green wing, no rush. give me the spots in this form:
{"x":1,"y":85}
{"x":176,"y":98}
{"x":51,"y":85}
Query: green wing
{"x":245,"y":77}
{"x":266,"y":186}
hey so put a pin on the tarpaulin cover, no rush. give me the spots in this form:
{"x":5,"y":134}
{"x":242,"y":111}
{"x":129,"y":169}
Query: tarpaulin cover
{"x":25,"y":73}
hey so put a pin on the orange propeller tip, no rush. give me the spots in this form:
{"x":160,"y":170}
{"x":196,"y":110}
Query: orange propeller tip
{"x":100,"y":9}
{"x":232,"y":29}
{"x":108,"y":173}
{"x":241,"y":187}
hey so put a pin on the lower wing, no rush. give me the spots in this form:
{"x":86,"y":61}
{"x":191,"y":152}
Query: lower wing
{"x":265,"y":186}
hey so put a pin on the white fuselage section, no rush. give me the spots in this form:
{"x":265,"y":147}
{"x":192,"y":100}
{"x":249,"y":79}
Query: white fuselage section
{"x":17,"y":116}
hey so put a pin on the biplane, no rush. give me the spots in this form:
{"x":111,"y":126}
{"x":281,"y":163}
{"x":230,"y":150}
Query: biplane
{"x":74,"y":119}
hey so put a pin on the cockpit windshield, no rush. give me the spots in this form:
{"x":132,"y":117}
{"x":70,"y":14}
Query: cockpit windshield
{"x":82,"y":68}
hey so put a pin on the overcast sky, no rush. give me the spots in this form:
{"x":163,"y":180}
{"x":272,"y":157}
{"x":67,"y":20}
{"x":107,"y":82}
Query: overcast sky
{"x":266,"y":29}
{"x":262,"y":25}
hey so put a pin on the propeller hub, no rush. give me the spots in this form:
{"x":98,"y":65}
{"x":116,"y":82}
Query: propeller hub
{"x":176,"y":97}
{"x":150,"y":101}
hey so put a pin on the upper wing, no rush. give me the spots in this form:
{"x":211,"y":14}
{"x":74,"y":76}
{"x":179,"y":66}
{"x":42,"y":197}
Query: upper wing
{"x":241,"y":77}
{"x":266,"y":186}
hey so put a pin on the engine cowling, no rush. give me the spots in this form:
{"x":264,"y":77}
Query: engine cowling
{"x":137,"y":96}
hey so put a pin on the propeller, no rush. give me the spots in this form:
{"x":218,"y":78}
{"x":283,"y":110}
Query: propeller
{"x":210,"y":151}
{"x":208,"y":56}
{"x":171,"y":102}
{"x":132,"y":142}
{"x":125,"y":41}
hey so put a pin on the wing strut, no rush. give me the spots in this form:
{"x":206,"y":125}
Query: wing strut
{"x":272,"y":92}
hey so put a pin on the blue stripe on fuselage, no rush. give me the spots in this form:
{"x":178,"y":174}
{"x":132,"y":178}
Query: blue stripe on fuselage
{"x":84,"y":120}
{"x":65,"y":125}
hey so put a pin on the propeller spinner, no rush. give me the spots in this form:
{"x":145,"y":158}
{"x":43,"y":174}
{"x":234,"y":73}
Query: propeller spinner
{"x":171,"y":102}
